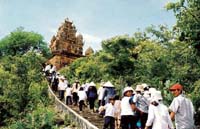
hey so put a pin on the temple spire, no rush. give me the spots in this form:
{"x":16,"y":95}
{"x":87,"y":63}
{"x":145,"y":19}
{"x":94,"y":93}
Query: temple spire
{"x":66,"y":45}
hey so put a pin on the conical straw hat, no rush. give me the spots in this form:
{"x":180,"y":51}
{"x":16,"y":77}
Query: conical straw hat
{"x":108,"y":84}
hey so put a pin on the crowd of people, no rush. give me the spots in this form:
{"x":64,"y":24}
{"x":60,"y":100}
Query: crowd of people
{"x":139,"y":108}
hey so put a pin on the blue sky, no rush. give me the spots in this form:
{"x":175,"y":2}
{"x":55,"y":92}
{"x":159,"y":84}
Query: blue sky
{"x":96,"y":20}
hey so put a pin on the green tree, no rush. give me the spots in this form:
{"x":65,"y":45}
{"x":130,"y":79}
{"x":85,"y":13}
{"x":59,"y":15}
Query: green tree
{"x":151,"y":64}
{"x":41,"y":118}
{"x":19,"y":42}
{"x":113,"y":62}
{"x":160,"y":34}
{"x":22,"y":85}
{"x":158,"y":56}
{"x":85,"y":69}
{"x":119,"y":56}
{"x":23,"y":90}
{"x":187,"y":13}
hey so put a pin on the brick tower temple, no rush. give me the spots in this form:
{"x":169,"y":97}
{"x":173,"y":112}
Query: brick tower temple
{"x":66,"y":46}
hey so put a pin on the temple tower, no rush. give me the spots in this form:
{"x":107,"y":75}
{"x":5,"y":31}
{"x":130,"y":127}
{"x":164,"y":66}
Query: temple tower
{"x":89,"y":51}
{"x":66,"y":46}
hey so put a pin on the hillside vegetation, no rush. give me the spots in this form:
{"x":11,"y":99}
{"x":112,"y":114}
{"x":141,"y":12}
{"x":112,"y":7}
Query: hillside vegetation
{"x":158,"y":56}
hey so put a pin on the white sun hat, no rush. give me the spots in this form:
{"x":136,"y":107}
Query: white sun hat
{"x":152,"y":90}
{"x":83,"y":85}
{"x":62,"y":77}
{"x":156,"y":96}
{"x":92,"y":84}
{"x":108,"y":84}
{"x":147,"y":94}
{"x":139,"y":88}
{"x":127,"y":89}
{"x":144,"y":85}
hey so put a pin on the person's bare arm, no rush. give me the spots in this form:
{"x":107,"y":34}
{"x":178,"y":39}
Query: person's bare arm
{"x":172,"y":115}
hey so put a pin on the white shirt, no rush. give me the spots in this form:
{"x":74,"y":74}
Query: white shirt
{"x":110,"y":110}
{"x":48,"y":67}
{"x":126,"y":107}
{"x":82,"y":95}
{"x":86,"y":87}
{"x":53,"y":69}
{"x":158,"y":116}
{"x":184,"y":112}
{"x":100,"y":93}
{"x":66,"y":82}
{"x":62,"y":85}
{"x":68,"y":91}
{"x":74,"y":89}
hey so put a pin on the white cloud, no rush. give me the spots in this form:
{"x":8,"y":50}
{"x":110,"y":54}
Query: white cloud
{"x":92,"y":41}
{"x":48,"y":34}
{"x":91,"y":38}
{"x":53,"y":30}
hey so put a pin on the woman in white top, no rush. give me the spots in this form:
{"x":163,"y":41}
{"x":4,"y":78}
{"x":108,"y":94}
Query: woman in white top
{"x":100,"y":93}
{"x":128,"y":118}
{"x":158,"y":115}
{"x":75,"y":88}
{"x":61,"y":87}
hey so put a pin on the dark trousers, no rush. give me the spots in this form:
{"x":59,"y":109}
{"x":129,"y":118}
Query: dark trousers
{"x":128,"y":122}
{"x":91,"y":102}
{"x":75,"y":98}
{"x":99,"y":103}
{"x":55,"y":88}
{"x":109,"y":121}
{"x":143,"y":119}
{"x":103,"y":102}
{"x":81,"y":104}
{"x":61,"y":94}
{"x":68,"y":100}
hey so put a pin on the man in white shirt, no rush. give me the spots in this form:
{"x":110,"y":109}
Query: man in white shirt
{"x":68,"y":94}
{"x":53,"y":69}
{"x":181,"y":108}
{"x":82,"y":98}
